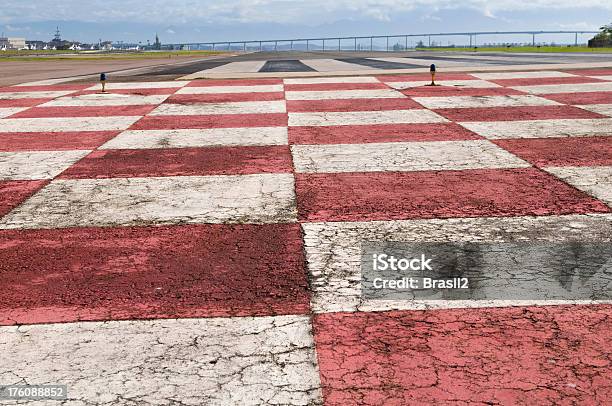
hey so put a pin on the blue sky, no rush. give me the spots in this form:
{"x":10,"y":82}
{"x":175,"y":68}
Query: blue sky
{"x":204,"y":20}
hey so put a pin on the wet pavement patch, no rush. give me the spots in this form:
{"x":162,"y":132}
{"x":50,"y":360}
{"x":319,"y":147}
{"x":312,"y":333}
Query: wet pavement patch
{"x":373,"y":63}
{"x":288,"y":65}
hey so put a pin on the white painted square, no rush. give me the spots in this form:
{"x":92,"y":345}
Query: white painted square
{"x":402,"y":156}
{"x":214,"y":361}
{"x":541,"y":128}
{"x":32,"y":165}
{"x":106,"y":99}
{"x":343,"y":94}
{"x":334,"y":79}
{"x":35,"y":95}
{"x":187,"y":138}
{"x":456,"y":102}
{"x":9,"y":111}
{"x":333,"y":253}
{"x":458,"y":83}
{"x":230,"y":89}
{"x":594,"y":180}
{"x":522,"y":75}
{"x":365,"y":117}
{"x":605,"y":109}
{"x":259,"y":198}
{"x":566,"y":88}
{"x":66,"y":124}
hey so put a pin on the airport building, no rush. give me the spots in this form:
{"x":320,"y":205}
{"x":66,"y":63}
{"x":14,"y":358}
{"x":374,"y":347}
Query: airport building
{"x":12,"y":43}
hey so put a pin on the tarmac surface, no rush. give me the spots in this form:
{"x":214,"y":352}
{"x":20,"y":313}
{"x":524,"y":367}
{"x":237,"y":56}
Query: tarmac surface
{"x":200,"y":241}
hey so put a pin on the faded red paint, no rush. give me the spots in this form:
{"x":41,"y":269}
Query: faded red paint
{"x":14,"y":192}
{"x":126,"y":163}
{"x":211,"y":121}
{"x":552,"y":355}
{"x":517,"y":113}
{"x":98,"y":111}
{"x":212,"y":270}
{"x":545,"y":81}
{"x":359,"y":134}
{"x":43,"y":88}
{"x":401,"y":103}
{"x":591,"y":72}
{"x":372,"y":196}
{"x":581,"y":98}
{"x":234,"y":82}
{"x":567,"y":151}
{"x":22,"y":102}
{"x":334,"y":86}
{"x":54,"y":141}
{"x":225,"y":97}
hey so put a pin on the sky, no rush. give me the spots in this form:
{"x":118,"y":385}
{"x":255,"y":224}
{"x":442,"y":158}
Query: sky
{"x":233,"y":20}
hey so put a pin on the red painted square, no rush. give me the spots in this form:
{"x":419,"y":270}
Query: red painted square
{"x":591,"y":72}
{"x":22,"y":102}
{"x":210,"y":270}
{"x":437,"y":194}
{"x":550,"y":355}
{"x":359,"y":134}
{"x":54,"y":141}
{"x":401,"y":103}
{"x":127,"y":163}
{"x":14,"y":192}
{"x":567,"y":151}
{"x":516,"y":113}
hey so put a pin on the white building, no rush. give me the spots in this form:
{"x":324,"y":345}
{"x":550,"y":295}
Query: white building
{"x":12,"y":43}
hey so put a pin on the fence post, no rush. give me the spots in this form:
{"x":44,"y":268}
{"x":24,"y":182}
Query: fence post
{"x":307,"y":45}
{"x":576,"y":39}
{"x":406,"y":47}
{"x":387,"y":44}
{"x":532,"y":39}
{"x":339,"y":45}
{"x":259,"y":46}
{"x":429,"y":46}
{"x":371,"y":44}
{"x":323,"y":44}
{"x":355,"y":43}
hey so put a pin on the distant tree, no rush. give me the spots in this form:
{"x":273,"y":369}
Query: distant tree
{"x":603,"y":38}
{"x":420,"y":44}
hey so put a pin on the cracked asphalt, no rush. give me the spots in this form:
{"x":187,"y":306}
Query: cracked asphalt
{"x":200,"y":242}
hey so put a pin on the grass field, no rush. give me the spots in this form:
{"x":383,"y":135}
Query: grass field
{"x":522,"y":49}
{"x":51,"y":55}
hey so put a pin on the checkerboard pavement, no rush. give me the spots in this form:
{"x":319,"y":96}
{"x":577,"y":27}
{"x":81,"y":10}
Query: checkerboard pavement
{"x":198,"y":242}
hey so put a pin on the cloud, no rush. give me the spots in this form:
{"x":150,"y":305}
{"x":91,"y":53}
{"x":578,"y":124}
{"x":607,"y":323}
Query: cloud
{"x":170,"y":31}
{"x":259,"y":11}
